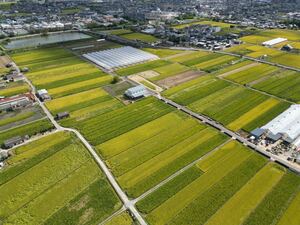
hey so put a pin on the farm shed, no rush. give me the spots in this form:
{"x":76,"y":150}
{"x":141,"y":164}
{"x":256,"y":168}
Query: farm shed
{"x":136,"y":92}
{"x":257,"y":133}
{"x":43,"y":95}
{"x":14,"y":77}
{"x":12,"y":142}
{"x":62,"y":115}
{"x":274,"y":41}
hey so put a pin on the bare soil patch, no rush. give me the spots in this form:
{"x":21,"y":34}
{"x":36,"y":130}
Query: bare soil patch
{"x":3,"y":61}
{"x":179,"y":79}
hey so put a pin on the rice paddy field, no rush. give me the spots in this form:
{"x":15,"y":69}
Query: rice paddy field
{"x":234,"y":106}
{"x":202,"y":175}
{"x":148,"y":154}
{"x":261,"y":71}
{"x":231,"y":179}
{"x":205,"y":22}
{"x":169,"y":70}
{"x":17,"y":118}
{"x":29,"y":129}
{"x":14,"y":88}
{"x":83,"y":104}
{"x":121,"y":219}
{"x":40,"y":185}
{"x":140,"y":37}
{"x":285,"y":85}
{"x":60,"y":72}
{"x":162,"y":53}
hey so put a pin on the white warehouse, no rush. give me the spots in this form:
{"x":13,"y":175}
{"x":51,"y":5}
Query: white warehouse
{"x":274,"y":42}
{"x":286,"y":125}
{"x":119,"y":57}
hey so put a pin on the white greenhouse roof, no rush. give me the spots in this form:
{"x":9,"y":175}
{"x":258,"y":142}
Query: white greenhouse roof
{"x":274,"y":41}
{"x":136,"y":92}
{"x":119,"y":57}
{"x":287,"y":123}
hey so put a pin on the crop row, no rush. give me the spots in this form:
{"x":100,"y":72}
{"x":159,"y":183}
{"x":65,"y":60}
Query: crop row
{"x":31,"y":129}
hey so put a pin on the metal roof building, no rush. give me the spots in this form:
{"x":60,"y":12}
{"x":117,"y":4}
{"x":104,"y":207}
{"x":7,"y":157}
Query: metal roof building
{"x":286,"y":124}
{"x":136,"y":92}
{"x":119,"y":57}
{"x":274,"y":41}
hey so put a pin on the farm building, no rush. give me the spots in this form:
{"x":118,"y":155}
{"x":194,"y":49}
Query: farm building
{"x":15,"y":102}
{"x":43,"y":95}
{"x":286,"y":126}
{"x":258,"y":132}
{"x":12,"y":142}
{"x":14,"y":77}
{"x":274,"y":41}
{"x":136,"y":92}
{"x":119,"y":57}
{"x":62,"y":115}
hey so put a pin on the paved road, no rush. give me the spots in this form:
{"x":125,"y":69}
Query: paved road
{"x":127,"y":203}
{"x":230,"y":133}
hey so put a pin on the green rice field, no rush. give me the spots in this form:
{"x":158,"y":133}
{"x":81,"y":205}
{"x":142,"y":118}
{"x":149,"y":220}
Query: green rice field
{"x":29,"y":129}
{"x":140,"y":37}
{"x":60,"y":72}
{"x":232,"y":105}
{"x":232,"y":178}
{"x":285,"y":85}
{"x":41,"y":185}
{"x":158,"y":151}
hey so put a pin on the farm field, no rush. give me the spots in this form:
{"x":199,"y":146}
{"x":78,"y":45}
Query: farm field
{"x":162,"y":53}
{"x":118,"y":31}
{"x":292,"y":35}
{"x":9,"y":120}
{"x":216,"y":63}
{"x":142,"y":67}
{"x":237,"y":66}
{"x":41,"y":182}
{"x":140,"y":37}
{"x":211,"y":23}
{"x":60,"y":72}
{"x":29,"y":129}
{"x":235,"y":107}
{"x":14,"y":88}
{"x":78,"y":101}
{"x":254,"y":73}
{"x":119,"y":121}
{"x":289,"y":59}
{"x":207,"y":192}
{"x":169,"y":70}
{"x":158,"y":151}
{"x":284,"y":85}
{"x":188,"y":56}
{"x":121,"y":219}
